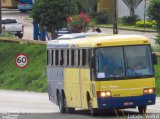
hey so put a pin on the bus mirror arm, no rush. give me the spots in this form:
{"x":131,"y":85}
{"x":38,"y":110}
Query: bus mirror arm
{"x":154,"y":59}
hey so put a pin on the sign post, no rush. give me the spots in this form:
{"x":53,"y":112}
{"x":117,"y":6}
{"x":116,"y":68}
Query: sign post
{"x":21,"y":62}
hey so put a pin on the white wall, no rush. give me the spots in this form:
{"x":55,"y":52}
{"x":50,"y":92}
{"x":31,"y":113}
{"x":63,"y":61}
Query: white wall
{"x":124,"y":11}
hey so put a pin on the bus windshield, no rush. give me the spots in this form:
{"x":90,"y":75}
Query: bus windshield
{"x":127,"y":61}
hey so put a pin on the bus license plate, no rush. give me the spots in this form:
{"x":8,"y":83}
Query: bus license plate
{"x":128,"y":103}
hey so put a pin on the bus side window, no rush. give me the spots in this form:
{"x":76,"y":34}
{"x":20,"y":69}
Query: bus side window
{"x":72,"y":57}
{"x":84,"y":57}
{"x":88,"y":56}
{"x":61,"y":61}
{"x":56,"y":57}
{"x":53,"y":58}
{"x":65,"y":57}
{"x":78,"y":57}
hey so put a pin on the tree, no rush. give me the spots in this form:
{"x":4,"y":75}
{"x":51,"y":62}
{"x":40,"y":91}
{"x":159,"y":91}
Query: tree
{"x":52,"y":14}
{"x":88,"y":5}
{"x":132,"y":5}
{"x":154,"y":14}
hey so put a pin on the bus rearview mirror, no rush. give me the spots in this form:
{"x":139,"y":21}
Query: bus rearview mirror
{"x":154,"y":58}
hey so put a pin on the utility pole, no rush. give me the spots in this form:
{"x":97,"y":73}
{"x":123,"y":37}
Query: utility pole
{"x":115,"y":18}
{"x":0,"y":16}
{"x":145,"y":3}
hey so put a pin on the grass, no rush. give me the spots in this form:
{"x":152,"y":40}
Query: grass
{"x":33,"y":77}
{"x":120,"y":25}
{"x":131,"y":27}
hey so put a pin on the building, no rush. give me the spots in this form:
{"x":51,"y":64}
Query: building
{"x":122,"y":8}
{"x":9,"y":4}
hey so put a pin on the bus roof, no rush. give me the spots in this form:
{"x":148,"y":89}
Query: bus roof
{"x":78,"y":35}
{"x":99,"y":41}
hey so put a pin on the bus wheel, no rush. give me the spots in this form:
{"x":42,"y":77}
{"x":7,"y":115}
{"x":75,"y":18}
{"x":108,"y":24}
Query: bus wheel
{"x":61,"y":103}
{"x":93,"y":111}
{"x":68,"y":109}
{"x":142,"y":109}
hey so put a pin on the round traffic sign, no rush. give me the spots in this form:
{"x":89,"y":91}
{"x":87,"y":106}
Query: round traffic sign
{"x":21,"y":60}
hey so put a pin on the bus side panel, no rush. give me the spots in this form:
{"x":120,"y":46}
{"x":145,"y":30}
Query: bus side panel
{"x":50,"y":86}
{"x":72,"y":87}
{"x":55,"y":82}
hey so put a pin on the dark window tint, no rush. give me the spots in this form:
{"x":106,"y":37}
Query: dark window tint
{"x":52,"y":58}
{"x":48,"y":57}
{"x":62,"y":58}
{"x":83,"y":57}
{"x":56,"y":57}
{"x":72,"y":57}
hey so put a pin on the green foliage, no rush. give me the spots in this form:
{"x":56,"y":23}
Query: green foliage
{"x":153,"y":10}
{"x":154,"y":14}
{"x":33,"y":77}
{"x":129,"y":20}
{"x":53,"y":13}
{"x":88,"y":6}
{"x":7,"y":34}
{"x":102,"y":17}
{"x":148,"y":24}
{"x":157,"y":73}
{"x":132,"y":5}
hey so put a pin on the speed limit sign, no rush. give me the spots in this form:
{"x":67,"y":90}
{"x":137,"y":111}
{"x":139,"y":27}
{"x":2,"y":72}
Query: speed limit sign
{"x":21,"y":60}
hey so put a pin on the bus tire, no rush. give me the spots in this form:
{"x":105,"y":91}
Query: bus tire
{"x":142,"y":109}
{"x":61,"y":103}
{"x":93,"y":111}
{"x":68,"y":109}
{"x":20,"y":36}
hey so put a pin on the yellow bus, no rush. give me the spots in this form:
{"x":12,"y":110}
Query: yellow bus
{"x":101,"y":72}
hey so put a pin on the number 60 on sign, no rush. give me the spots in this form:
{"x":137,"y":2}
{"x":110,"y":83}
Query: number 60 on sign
{"x":21,"y":60}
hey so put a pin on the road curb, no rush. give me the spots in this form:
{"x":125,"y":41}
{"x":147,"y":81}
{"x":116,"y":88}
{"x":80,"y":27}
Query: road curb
{"x":6,"y":39}
{"x":128,"y":29}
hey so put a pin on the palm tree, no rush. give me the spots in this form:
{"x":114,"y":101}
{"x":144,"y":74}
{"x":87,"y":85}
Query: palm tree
{"x":132,"y":5}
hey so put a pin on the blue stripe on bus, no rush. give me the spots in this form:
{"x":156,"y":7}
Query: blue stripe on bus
{"x":120,"y":102}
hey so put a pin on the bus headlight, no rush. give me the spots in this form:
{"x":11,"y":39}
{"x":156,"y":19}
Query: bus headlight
{"x":149,"y":91}
{"x":104,"y":94}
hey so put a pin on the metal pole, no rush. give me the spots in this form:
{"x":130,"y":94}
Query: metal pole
{"x":0,"y":16}
{"x":145,"y":13}
{"x":115,"y":18}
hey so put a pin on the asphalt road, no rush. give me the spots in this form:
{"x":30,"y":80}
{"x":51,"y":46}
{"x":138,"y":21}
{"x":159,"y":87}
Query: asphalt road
{"x":28,"y":26}
{"x":30,"y":105}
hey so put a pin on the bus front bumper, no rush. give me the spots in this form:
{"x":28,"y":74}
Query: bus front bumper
{"x":126,"y":102}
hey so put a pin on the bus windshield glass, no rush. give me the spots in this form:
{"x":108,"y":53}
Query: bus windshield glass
{"x":121,"y":62}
